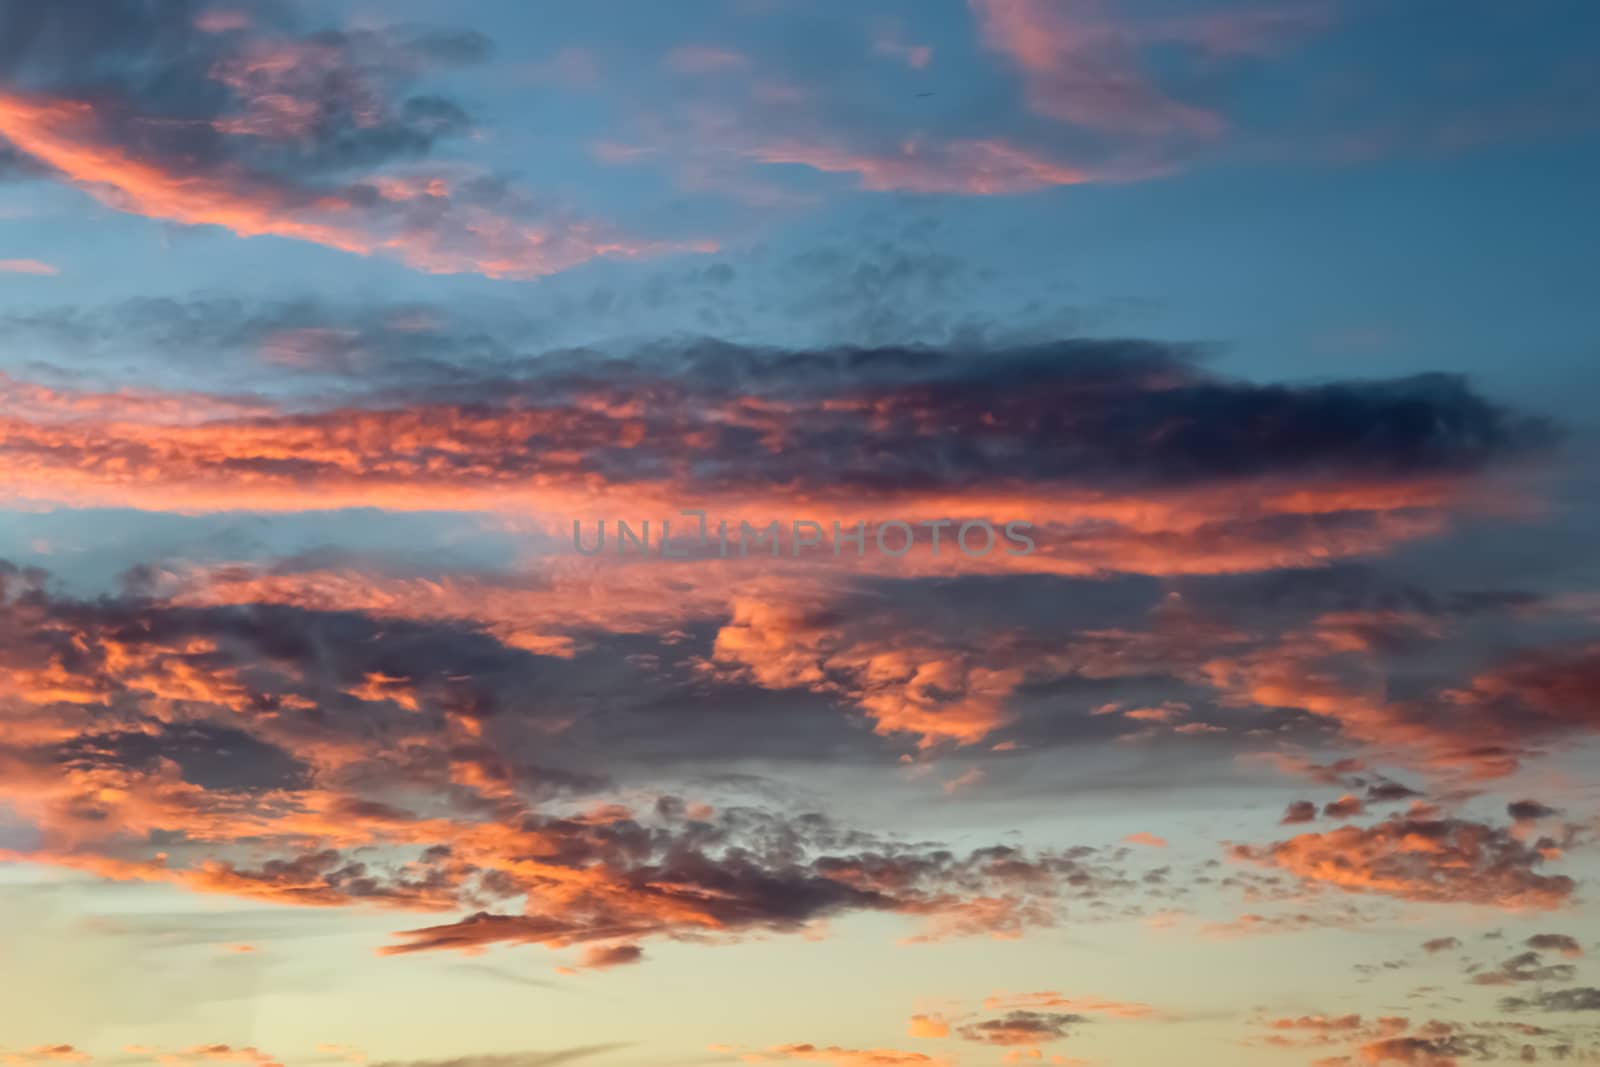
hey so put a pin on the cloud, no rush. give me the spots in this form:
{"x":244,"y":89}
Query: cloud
{"x":739,"y":116}
{"x":202,"y":1054}
{"x":1565,"y":944}
{"x":1388,"y":792}
{"x":1083,"y":71}
{"x":485,"y":746}
{"x":14,"y":166}
{"x":1527,"y":811}
{"x":836,"y":1056}
{"x":269,"y":131}
{"x":1298,"y":812}
{"x":45,"y":1054}
{"x":26,"y":266}
{"x":1318,"y":1024}
{"x":1084,"y":68}
{"x":952,"y":694}
{"x":964,"y":167}
{"x":1426,"y":860}
{"x":1344,"y":808}
{"x":1029,"y":1021}
{"x":1578,"y":998}
{"x":1354,"y":1039}
{"x":365,"y":761}
{"x":1125,"y":455}
{"x":1526,"y":967}
{"x":1505,"y":713}
{"x":1077,"y":1005}
{"x":1147,"y":839}
{"x":687,"y":892}
{"x":1538,"y":692}
{"x":1023,"y":1027}
{"x":602,"y":957}
{"x":1416,"y":1051}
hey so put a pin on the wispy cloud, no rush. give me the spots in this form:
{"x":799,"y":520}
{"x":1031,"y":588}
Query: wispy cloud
{"x":26,"y":266}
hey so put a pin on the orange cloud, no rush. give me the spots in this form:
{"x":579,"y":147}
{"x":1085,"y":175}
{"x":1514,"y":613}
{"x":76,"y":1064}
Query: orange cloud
{"x":601,"y":957}
{"x":201,"y":1054}
{"x":1428,"y":860}
{"x":581,"y":451}
{"x":1397,"y":1040}
{"x":98,"y":697}
{"x":45,"y":1054}
{"x":1321,"y":1024}
{"x":904,"y":687}
{"x":1481,"y":730}
{"x":1147,"y":839}
{"x":67,"y":136}
{"x":847,"y":1057}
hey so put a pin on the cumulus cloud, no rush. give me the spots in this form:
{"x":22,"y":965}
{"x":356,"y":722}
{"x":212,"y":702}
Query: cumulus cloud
{"x":1430,"y":860}
{"x":1299,"y":811}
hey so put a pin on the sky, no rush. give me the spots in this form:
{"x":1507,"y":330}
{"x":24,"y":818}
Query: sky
{"x":904,"y":534}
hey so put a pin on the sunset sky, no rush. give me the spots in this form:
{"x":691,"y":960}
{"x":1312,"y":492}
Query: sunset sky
{"x":322,"y":322}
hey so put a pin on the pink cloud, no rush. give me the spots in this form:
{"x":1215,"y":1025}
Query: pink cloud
{"x":971,"y":168}
{"x":26,"y":266}
{"x":1081,"y":69}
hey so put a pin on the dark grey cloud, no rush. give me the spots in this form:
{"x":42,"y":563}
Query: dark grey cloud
{"x":1530,"y":810}
{"x":395,"y":728}
{"x":1388,"y":792}
{"x":1023,"y":1027}
{"x":1565,"y":944}
{"x":212,"y":757}
{"x":753,"y":871}
{"x":171,"y":88}
{"x":289,"y":125}
{"x":1299,"y":811}
{"x":1445,"y":1049}
{"x":1125,"y":415}
{"x":1578,"y":998}
{"x":15,"y":166}
{"x":1525,"y":967}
